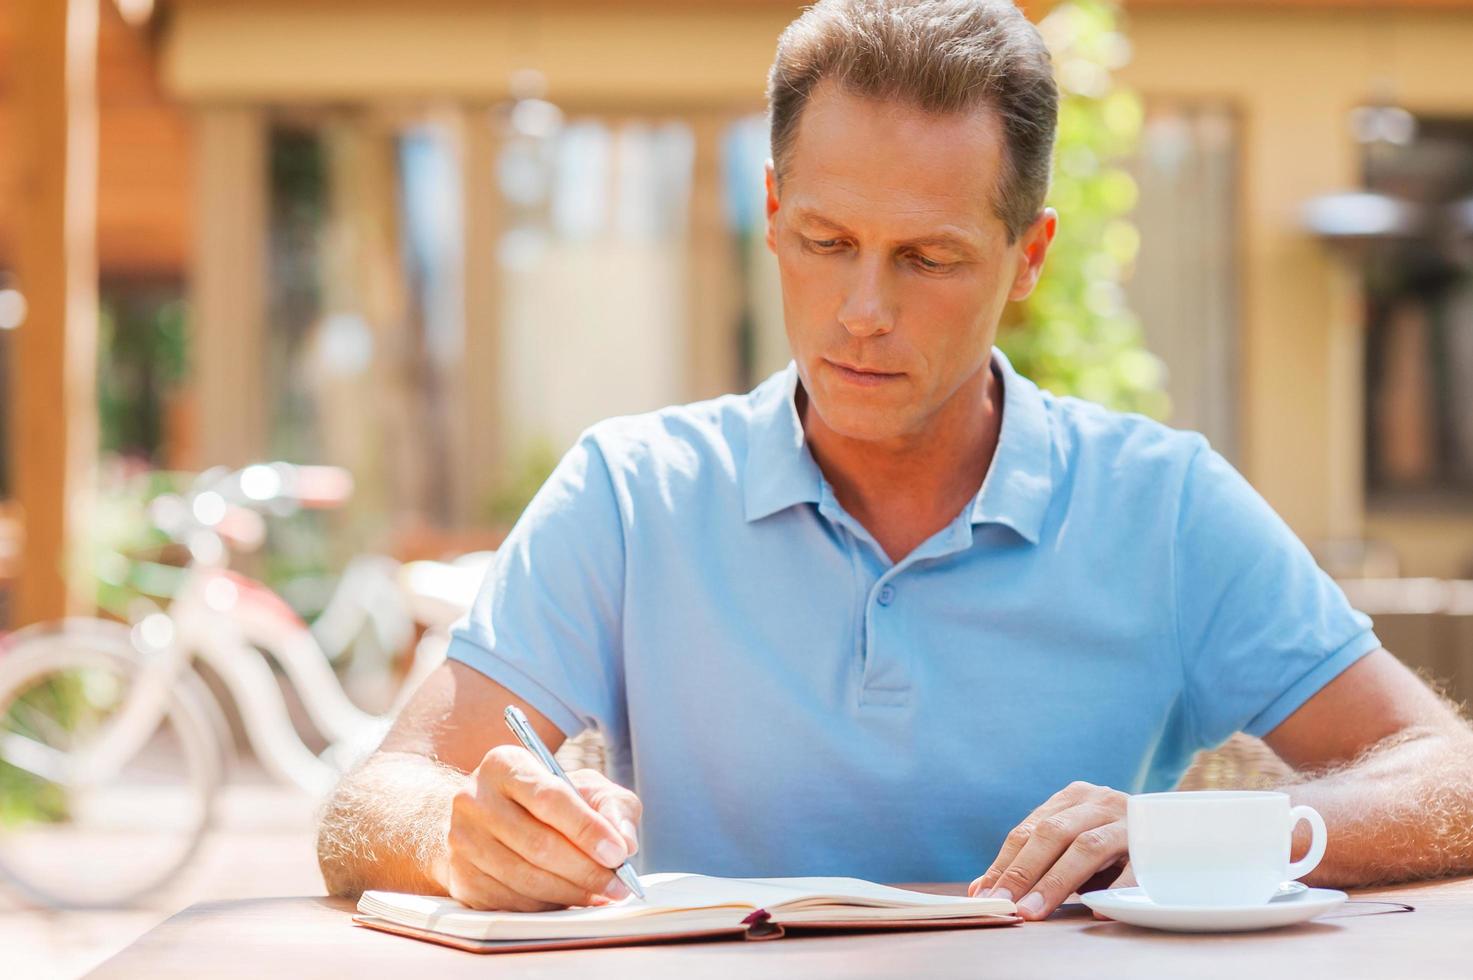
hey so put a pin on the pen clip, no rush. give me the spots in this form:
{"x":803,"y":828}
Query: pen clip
{"x":521,"y":727}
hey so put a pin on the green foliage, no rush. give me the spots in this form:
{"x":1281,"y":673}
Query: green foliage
{"x":1075,"y":334}
{"x":142,"y":358}
{"x":123,"y":546}
{"x":534,"y":465}
{"x":26,"y":798}
{"x":52,"y":712}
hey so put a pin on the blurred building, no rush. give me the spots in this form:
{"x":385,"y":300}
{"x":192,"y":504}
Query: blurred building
{"x":431,"y":241}
{"x":1349,"y":378}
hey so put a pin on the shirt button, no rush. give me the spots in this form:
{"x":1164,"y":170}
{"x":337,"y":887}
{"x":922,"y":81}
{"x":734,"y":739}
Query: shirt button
{"x":886,"y":594}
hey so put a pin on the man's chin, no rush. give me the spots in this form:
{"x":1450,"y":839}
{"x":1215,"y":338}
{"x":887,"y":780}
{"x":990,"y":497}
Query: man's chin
{"x":859,"y":422}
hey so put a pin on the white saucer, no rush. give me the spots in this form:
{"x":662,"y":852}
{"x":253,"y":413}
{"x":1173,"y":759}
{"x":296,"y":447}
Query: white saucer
{"x":1289,"y":906}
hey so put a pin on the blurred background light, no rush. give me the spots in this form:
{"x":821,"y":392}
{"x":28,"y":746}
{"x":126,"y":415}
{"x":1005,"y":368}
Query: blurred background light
{"x":12,"y":309}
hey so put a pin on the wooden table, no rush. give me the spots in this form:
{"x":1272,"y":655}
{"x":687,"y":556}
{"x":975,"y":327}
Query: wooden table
{"x":313,"y":937}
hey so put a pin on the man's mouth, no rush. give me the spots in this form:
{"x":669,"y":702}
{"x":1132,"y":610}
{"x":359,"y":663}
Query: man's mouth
{"x":862,"y":375}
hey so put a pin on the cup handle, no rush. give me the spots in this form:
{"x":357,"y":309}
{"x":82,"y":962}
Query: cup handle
{"x":1317,"y":840}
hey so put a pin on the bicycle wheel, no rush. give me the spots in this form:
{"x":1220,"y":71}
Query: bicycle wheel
{"x":71,"y":834}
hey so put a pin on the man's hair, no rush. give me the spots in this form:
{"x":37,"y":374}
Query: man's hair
{"x":941,"y":56}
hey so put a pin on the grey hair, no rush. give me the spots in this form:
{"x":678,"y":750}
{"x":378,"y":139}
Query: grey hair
{"x":941,"y":56}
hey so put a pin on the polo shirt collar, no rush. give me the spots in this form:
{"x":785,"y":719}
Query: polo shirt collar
{"x":1020,"y":481}
{"x":780,"y":472}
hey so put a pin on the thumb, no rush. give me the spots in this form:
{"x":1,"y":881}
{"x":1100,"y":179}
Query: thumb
{"x":617,"y":805}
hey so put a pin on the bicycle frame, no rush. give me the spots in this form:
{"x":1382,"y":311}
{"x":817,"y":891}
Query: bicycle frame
{"x":161,"y":689}
{"x":225,"y":619}
{"x":239,"y":626}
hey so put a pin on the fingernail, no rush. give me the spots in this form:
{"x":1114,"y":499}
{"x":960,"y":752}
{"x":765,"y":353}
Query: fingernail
{"x":616,"y":889}
{"x":1032,"y":905}
{"x":626,"y":827}
{"x":1001,"y":893}
{"x":609,"y":854}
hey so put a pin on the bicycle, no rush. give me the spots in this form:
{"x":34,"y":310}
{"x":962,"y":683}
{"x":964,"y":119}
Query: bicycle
{"x":113,"y":741}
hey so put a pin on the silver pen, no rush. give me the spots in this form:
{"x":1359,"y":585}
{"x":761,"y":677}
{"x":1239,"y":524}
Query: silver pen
{"x":516,"y":720}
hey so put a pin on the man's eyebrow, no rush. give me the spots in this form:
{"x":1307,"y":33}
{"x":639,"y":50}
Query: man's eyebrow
{"x":939,"y":239}
{"x":814,"y":218}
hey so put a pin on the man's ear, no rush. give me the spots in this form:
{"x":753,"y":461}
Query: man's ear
{"x":1032,"y":247}
{"x":771,"y":176}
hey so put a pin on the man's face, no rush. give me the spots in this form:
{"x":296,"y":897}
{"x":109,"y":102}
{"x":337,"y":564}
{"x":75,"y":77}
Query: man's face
{"x":892,"y":260}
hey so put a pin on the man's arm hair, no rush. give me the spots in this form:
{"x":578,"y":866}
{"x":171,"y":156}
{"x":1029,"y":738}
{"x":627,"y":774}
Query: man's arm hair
{"x":385,"y":825}
{"x":1398,"y":808}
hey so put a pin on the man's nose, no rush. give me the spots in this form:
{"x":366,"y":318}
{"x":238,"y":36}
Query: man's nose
{"x":866,"y":308}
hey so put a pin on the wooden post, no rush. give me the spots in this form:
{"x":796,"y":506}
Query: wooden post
{"x":228,"y":285}
{"x":481,"y":421}
{"x":713,"y":292}
{"x":54,"y":375}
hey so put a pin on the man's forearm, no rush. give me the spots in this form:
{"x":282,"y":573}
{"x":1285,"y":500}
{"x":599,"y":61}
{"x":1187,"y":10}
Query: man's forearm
{"x":1403,"y":810}
{"x":384,"y":826}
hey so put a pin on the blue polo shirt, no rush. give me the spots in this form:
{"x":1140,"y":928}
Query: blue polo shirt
{"x":786,"y":700}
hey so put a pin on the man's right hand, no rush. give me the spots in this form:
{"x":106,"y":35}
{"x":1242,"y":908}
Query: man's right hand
{"x":520,"y":839}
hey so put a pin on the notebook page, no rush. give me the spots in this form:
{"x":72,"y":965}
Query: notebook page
{"x":631,"y":916}
{"x":857,"y":891}
{"x":674,"y":901}
{"x":773,"y":893}
{"x":680,"y":890}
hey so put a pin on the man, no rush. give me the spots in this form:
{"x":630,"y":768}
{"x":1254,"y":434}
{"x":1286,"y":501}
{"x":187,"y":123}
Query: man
{"x":896,"y":613}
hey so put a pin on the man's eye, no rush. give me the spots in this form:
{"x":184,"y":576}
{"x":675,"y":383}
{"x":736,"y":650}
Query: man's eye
{"x":930,"y":265}
{"x":822,"y":244}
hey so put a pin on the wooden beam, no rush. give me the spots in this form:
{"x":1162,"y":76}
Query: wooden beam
{"x":54,"y":375}
{"x":481,"y":424}
{"x":671,"y":58}
{"x":713,"y":289}
{"x":228,"y":285}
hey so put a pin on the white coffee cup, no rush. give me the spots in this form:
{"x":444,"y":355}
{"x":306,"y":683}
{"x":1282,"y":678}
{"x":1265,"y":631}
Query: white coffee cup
{"x":1217,"y":848}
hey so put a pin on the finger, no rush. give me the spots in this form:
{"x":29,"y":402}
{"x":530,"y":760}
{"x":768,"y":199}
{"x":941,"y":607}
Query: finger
{"x":1103,"y":878}
{"x":523,"y":877}
{"x":1050,"y":838}
{"x":544,"y":847}
{"x":1013,"y":843}
{"x":1093,"y":849}
{"x":476,"y":889}
{"x":560,"y":806}
{"x":620,"y":806}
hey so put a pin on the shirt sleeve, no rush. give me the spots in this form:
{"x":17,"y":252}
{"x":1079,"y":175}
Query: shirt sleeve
{"x":1261,"y":627}
{"x":547,"y":622}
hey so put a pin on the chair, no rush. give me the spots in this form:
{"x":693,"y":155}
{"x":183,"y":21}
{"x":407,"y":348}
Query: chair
{"x":583,"y":751}
{"x":1242,"y":762}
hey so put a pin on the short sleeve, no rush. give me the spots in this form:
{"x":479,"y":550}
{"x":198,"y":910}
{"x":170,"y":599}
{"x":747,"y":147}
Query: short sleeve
{"x":1261,"y":626}
{"x":547,"y":622}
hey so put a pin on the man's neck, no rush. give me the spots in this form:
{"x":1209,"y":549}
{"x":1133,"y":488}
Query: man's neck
{"x":904,"y":492}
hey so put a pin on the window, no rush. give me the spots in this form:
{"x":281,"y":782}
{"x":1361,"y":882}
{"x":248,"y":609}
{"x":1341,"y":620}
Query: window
{"x":1419,"y":318}
{"x":1184,"y":287}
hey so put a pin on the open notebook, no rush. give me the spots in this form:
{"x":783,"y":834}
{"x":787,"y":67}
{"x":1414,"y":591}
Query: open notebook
{"x":680,"y":906}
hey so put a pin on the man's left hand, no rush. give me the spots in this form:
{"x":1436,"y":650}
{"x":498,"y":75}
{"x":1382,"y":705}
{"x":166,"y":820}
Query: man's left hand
{"x":1073,"y":842}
